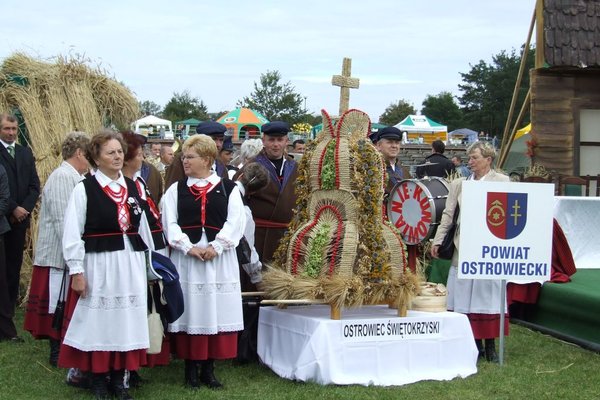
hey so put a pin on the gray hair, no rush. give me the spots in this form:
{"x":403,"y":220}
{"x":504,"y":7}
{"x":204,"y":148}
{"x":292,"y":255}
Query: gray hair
{"x":486,"y":149}
{"x":74,"y":141}
{"x":250,"y":148}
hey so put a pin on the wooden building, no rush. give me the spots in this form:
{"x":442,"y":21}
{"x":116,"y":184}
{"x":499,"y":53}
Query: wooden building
{"x":565,"y":87}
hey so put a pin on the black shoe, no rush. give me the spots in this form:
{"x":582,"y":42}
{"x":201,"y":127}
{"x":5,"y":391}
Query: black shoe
{"x":14,"y":339}
{"x":135,"y":380}
{"x":491,"y":355}
{"x":54,"y":352}
{"x":191,"y":374}
{"x":207,"y":375}
{"x":481,"y":354}
{"x":99,"y":387}
{"x":117,"y":386}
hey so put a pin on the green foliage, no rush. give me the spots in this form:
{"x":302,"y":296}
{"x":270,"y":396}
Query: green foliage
{"x":313,"y":119}
{"x":487,"y":91}
{"x":148,"y":107}
{"x":396,"y":112}
{"x":275,"y":100}
{"x":183,"y":106}
{"x":443,"y":109}
{"x":316,"y":249}
{"x":328,"y":169}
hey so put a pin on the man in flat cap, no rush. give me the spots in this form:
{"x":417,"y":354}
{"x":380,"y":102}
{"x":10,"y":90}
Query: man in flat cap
{"x":272,"y":206}
{"x":388,"y":143}
{"x":217,"y":132}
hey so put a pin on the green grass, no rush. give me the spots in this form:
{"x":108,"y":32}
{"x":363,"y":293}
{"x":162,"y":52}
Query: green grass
{"x":536,"y":367}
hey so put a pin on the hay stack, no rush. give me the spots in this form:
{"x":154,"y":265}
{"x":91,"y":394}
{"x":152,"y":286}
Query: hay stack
{"x":56,"y":98}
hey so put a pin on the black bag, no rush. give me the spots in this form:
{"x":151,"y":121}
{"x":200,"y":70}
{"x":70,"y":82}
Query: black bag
{"x":446,"y":249}
{"x":244,"y":252}
{"x":59,"y":312}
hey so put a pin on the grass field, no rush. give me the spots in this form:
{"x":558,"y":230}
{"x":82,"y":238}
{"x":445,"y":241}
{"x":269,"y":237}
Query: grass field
{"x":536,"y":367}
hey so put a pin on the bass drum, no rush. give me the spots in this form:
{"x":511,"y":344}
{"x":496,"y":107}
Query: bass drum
{"x":415,"y":207}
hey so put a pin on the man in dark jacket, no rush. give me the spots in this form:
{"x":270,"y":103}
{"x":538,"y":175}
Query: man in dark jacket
{"x":440,"y":165}
{"x":24,"y":186}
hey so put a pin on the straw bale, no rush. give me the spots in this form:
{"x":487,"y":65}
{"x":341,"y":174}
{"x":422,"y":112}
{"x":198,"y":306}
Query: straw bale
{"x":55,"y":98}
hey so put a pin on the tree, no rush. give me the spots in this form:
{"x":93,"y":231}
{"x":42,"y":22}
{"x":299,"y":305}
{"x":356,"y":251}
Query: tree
{"x":274,"y":100}
{"x":395,"y":113}
{"x":443,"y":109}
{"x":183,"y":106}
{"x":487,"y":91}
{"x":148,"y":107}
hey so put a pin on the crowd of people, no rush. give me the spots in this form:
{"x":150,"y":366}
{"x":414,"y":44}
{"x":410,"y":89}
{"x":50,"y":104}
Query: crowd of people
{"x":115,"y":198}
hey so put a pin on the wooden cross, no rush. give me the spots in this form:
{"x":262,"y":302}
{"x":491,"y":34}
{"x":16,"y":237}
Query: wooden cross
{"x":346,"y":82}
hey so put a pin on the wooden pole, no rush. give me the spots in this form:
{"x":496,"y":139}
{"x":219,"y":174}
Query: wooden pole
{"x":506,"y":149}
{"x":336,"y":313}
{"x":515,"y":95}
{"x":540,"y":42}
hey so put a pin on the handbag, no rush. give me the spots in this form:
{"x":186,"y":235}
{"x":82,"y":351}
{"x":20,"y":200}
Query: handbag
{"x":446,"y":249}
{"x":243,"y":251}
{"x":155,"y":327}
{"x":59,"y":311}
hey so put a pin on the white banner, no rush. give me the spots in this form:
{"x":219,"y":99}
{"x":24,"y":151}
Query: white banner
{"x":506,"y":231}
{"x":369,"y":330}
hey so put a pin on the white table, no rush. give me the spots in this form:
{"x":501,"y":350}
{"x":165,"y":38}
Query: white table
{"x":303,"y":343}
{"x":579,"y":218}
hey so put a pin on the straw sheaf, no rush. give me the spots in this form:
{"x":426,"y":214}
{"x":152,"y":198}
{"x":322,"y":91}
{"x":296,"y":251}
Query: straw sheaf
{"x":405,"y":289}
{"x":55,"y":99}
{"x":277,"y":283}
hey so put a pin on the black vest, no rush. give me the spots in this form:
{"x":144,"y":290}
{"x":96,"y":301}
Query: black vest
{"x":189,"y":210}
{"x":101,"y":232}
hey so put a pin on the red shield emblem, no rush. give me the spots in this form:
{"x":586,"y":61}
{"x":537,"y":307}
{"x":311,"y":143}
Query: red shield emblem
{"x":506,"y":214}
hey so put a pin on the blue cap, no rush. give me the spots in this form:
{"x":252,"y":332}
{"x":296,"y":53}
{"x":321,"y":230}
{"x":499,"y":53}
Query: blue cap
{"x":275,"y":128}
{"x":211,"y":128}
{"x":390,"y":133}
{"x":227,"y":144}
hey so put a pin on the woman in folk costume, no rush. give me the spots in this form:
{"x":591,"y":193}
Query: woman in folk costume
{"x":131,"y":169}
{"x":478,"y":298}
{"x":107,"y":329}
{"x":204,"y":219}
{"x":49,"y":265}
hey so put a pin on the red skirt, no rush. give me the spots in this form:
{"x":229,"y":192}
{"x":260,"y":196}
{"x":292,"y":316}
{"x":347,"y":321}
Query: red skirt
{"x":487,"y":326}
{"x":97,"y":362}
{"x":162,"y":358}
{"x":38,"y":321}
{"x":204,"y":347}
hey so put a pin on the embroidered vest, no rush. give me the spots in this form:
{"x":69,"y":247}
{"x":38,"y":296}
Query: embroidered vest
{"x":101,"y":231}
{"x":189,"y":210}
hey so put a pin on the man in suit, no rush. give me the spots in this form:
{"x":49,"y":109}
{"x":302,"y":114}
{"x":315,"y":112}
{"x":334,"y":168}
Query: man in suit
{"x":439,"y":163}
{"x":24,"y":186}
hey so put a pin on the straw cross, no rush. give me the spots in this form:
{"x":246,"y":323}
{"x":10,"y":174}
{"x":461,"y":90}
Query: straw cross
{"x":345,"y":82}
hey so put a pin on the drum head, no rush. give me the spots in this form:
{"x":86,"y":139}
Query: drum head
{"x":413,"y":210}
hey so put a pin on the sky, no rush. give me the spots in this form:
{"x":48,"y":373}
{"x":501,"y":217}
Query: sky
{"x":217,"y":50}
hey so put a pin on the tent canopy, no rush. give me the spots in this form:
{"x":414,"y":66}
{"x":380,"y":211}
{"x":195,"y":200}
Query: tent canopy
{"x":242,"y":120}
{"x":420,"y":124}
{"x":151,"y":125}
{"x":189,"y":121}
{"x":423,"y":130}
{"x":467,"y":133}
{"x":517,"y":159}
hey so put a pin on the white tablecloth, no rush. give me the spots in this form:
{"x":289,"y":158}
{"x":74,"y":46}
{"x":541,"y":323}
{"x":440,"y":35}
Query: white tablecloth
{"x":579,"y":218}
{"x":303,"y":343}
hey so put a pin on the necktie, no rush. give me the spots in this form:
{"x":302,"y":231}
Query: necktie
{"x":11,"y":151}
